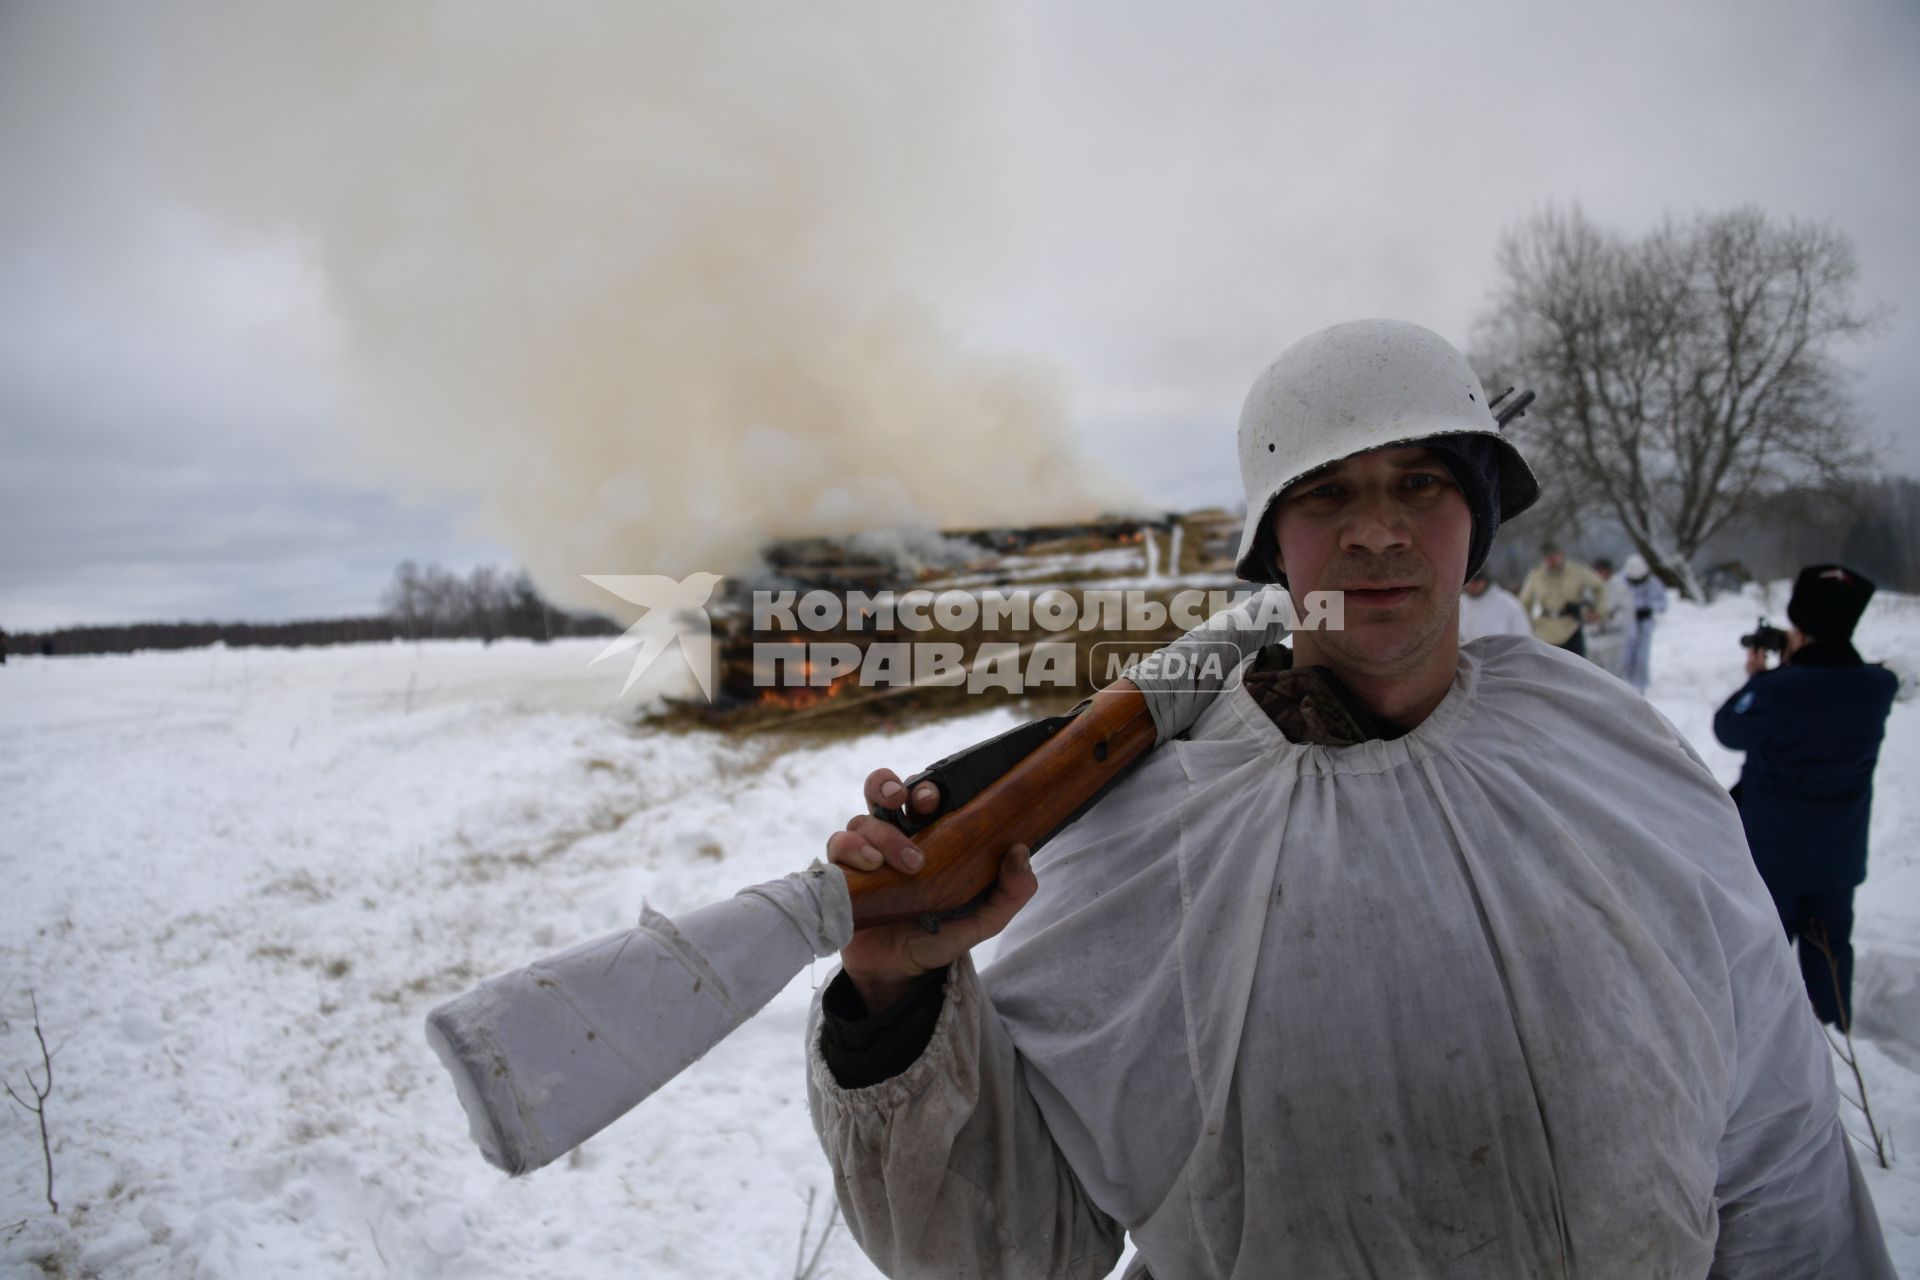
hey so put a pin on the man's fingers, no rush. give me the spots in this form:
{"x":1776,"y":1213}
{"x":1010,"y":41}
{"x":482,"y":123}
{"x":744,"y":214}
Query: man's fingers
{"x":884,"y":789}
{"x":850,"y":849}
{"x":895,"y":846}
{"x":845,"y":849}
{"x":1017,"y":881}
{"x":1013,"y":890}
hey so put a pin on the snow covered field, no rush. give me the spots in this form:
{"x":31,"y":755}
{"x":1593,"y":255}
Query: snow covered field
{"x":236,"y":881}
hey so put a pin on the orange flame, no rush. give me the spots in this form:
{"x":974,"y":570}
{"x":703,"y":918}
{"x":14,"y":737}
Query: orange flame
{"x":799,"y":697}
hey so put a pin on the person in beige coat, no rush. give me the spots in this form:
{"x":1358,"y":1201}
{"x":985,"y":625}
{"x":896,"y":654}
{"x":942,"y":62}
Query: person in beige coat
{"x":1557,"y":594}
{"x":1365,"y":970}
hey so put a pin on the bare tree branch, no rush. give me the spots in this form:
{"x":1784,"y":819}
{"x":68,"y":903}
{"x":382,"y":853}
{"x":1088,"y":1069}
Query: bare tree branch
{"x":41,"y":1091}
{"x":1817,"y":936}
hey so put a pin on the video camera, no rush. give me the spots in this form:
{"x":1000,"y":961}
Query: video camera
{"x":1763,"y":636}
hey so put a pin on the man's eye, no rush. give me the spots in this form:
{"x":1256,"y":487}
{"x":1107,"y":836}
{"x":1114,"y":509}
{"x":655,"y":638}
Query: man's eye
{"x":1423,"y":480}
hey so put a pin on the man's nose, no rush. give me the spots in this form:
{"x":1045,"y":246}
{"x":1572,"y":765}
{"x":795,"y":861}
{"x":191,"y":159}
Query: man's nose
{"x":1376,"y":523}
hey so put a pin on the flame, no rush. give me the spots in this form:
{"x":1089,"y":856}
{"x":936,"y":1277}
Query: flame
{"x":800,"y":697}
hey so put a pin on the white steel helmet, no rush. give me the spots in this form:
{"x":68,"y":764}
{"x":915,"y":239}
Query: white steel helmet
{"x":1351,"y":388}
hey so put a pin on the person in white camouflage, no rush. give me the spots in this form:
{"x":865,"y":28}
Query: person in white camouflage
{"x":1366,"y":969}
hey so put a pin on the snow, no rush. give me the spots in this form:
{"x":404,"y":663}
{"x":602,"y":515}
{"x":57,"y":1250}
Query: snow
{"x":236,"y":880}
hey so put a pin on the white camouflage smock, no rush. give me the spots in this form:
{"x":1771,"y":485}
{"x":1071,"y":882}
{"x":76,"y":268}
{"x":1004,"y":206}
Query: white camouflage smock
{"x":1502,"y":997}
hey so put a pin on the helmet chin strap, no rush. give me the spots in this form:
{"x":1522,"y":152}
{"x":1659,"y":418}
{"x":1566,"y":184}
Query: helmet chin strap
{"x":1270,"y":550}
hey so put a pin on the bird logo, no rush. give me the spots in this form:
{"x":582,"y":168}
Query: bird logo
{"x":675,"y":612}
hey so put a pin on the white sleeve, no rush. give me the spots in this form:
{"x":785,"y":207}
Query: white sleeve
{"x":1181,"y":680}
{"x":947,"y":1169}
{"x":1791,"y":1200}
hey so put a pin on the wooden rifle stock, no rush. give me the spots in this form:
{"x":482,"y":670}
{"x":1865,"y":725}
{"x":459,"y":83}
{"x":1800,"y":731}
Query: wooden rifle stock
{"x":964,"y":848}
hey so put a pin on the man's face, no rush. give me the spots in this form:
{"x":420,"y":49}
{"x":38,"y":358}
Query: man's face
{"x":1554,"y":560}
{"x":1477,"y":587}
{"x":1391,"y":529}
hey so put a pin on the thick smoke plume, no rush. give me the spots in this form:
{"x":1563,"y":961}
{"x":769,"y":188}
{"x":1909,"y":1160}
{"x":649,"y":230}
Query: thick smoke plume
{"x":653,"y":283}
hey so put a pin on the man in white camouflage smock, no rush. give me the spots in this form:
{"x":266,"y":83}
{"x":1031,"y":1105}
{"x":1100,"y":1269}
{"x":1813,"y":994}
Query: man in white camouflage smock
{"x":1366,"y":970}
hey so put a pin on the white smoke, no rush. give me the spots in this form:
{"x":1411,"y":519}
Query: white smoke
{"x":652,"y":283}
{"x":916,"y":551}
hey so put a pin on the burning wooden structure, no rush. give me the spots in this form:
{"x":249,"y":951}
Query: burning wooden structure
{"x":769,"y":672}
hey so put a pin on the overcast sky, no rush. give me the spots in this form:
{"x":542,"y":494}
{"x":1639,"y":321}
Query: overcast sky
{"x":217,"y":264}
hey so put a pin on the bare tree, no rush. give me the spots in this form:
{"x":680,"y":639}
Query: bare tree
{"x":487,"y":602}
{"x":531,"y":615}
{"x":1684,"y":377}
{"x":403,"y":600}
{"x":1883,"y":536}
{"x":41,"y":1090}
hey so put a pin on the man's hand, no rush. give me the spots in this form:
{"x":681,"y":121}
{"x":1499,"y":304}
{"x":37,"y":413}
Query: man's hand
{"x":1756,"y":660}
{"x":883,"y":961}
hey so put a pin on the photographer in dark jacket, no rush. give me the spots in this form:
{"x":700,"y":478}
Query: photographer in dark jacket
{"x":1811,"y":728}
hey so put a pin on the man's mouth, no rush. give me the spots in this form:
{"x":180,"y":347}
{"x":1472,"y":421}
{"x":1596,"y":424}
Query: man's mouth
{"x":1379,"y":597}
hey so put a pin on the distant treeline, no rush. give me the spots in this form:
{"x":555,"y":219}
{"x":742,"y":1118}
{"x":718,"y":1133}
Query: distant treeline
{"x":427,"y":603}
{"x":432,"y":604}
{"x":1881,"y":531}
{"x":1871,"y":525}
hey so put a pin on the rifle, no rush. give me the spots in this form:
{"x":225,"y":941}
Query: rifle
{"x":546,"y":1056}
{"x":1518,"y":408}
